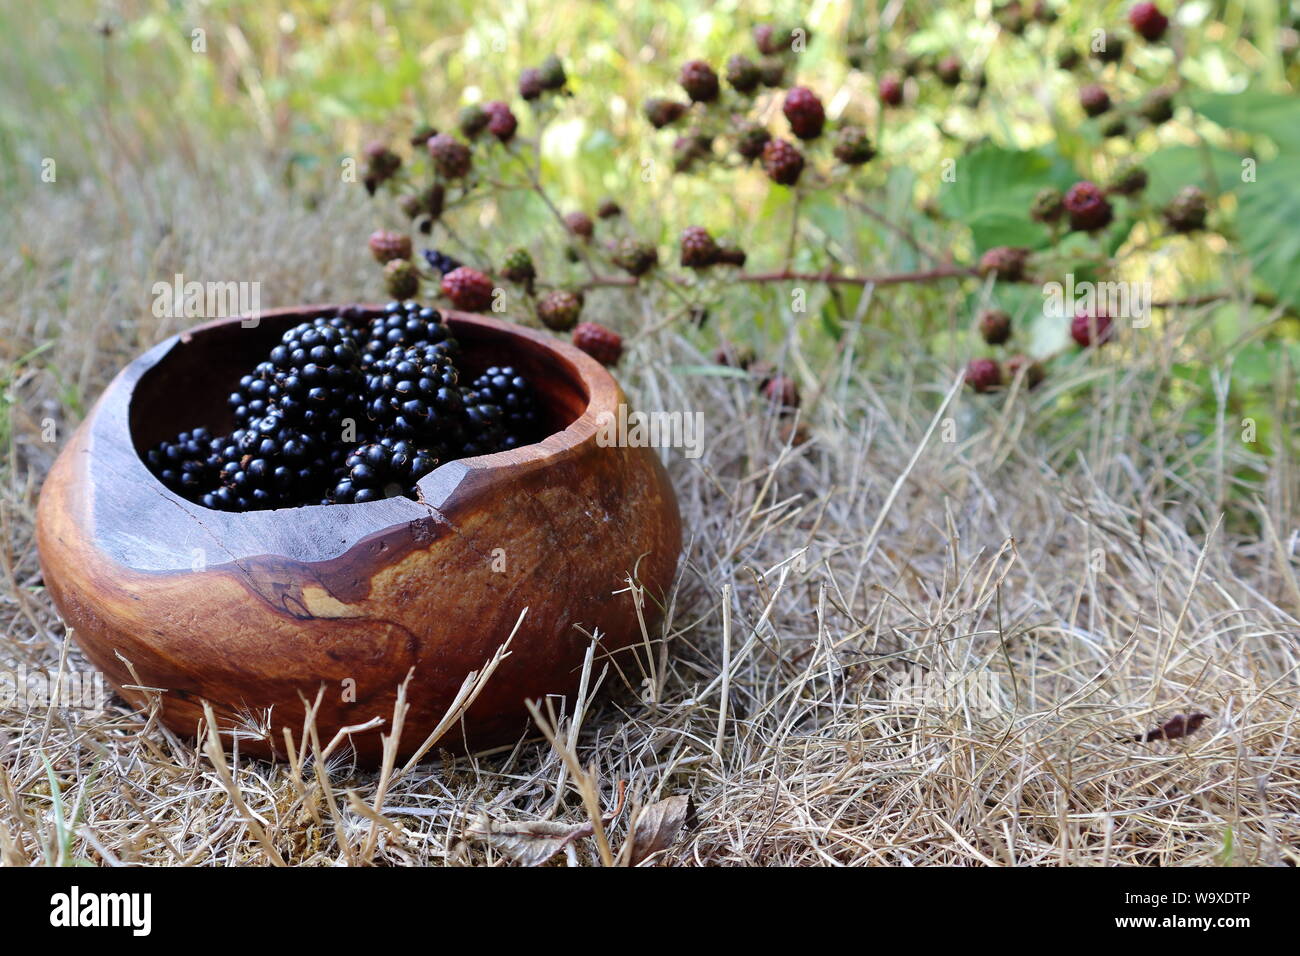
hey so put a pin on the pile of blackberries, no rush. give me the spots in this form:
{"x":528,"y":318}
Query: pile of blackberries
{"x":349,"y":408}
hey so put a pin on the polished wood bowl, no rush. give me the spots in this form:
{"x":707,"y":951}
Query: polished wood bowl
{"x":258,"y":612}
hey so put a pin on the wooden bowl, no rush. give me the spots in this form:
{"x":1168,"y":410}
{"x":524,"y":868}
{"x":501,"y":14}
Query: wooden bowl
{"x":260,"y":611}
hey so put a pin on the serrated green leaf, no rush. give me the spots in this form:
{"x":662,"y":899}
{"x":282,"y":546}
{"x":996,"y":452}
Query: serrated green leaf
{"x":1275,"y":115}
{"x":1267,"y":217}
{"x":1169,"y":170}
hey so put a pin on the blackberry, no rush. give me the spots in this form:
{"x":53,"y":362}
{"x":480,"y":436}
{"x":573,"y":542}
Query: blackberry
{"x":440,"y":262}
{"x":983,"y":374}
{"x":501,"y":121}
{"x":751,"y":137}
{"x":995,"y":326}
{"x":1048,"y":205}
{"x":1094,"y":99}
{"x":1088,"y":329}
{"x":699,"y":81}
{"x":608,"y":209}
{"x":1129,"y":181}
{"x":782,"y":162}
{"x":481,"y":425}
{"x":505,"y":389}
{"x":580,"y":224}
{"x":782,"y":392}
{"x":1148,"y":22}
{"x":1034,"y":371}
{"x":805,"y":113}
{"x":1088,"y":208}
{"x":948,"y":70}
{"x":602,"y":344}
{"x":742,"y":75}
{"x":699,"y":251}
{"x":381,"y":165}
{"x":852,"y":147}
{"x":272,"y":463}
{"x":451,"y":157}
{"x":559,"y":309}
{"x":1158,"y":106}
{"x":1187,"y":211}
{"x":316,"y":375}
{"x":687,"y":149}
{"x":769,"y":40}
{"x":1007,"y":262}
{"x":634,"y":257}
{"x":1115,"y":128}
{"x":531,"y":86}
{"x":384,"y":469}
{"x":730,"y":255}
{"x":468,"y":289}
{"x":406,"y":325}
{"x":473,"y":119}
{"x":1110,"y":49}
{"x":552,"y":73}
{"x":519,"y":268}
{"x":771,"y":70}
{"x":187,"y":464}
{"x":891,"y":91}
{"x":412,"y":392}
{"x":1068,"y":58}
{"x":661,"y":112}
{"x":401,"y":280}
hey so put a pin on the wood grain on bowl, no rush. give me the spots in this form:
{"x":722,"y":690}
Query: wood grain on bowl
{"x":256,"y":612}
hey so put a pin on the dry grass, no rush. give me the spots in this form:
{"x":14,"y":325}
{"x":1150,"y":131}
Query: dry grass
{"x":1076,"y":581}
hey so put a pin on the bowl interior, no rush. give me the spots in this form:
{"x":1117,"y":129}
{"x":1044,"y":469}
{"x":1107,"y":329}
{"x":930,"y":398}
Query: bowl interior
{"x":188,"y":386}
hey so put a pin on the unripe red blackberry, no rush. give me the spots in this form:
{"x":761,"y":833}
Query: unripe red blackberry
{"x":519,"y":267}
{"x":559,"y":309}
{"x":602,"y":344}
{"x":699,"y":81}
{"x":733,"y":356}
{"x":1186,"y":212}
{"x":580,"y":224}
{"x":386,"y":246}
{"x":983,"y":374}
{"x":699,"y":251}
{"x":1048,"y":205}
{"x":423,"y":134}
{"x":1087,"y":207}
{"x":552,"y":72}
{"x":501,"y":121}
{"x":1110,"y":49}
{"x":805,"y":112}
{"x":1087,"y":329}
{"x":661,"y":112}
{"x":948,"y":70}
{"x":690,"y":148}
{"x":1094,"y":99}
{"x":782,"y":392}
{"x":770,"y":40}
{"x":468,"y":289}
{"x":401,"y":280}
{"x":852,"y":147}
{"x":891,"y":91}
{"x":634,"y":257}
{"x":1158,"y":106}
{"x":1128,"y":181}
{"x":1148,"y":22}
{"x":742,"y":74}
{"x":1068,"y":58}
{"x":1034,"y":371}
{"x":530,"y":83}
{"x":1007,"y":262}
{"x":782,"y":162}
{"x":381,"y":164}
{"x":730,"y":255}
{"x":771,"y":70}
{"x":450,"y":156}
{"x":995,"y":326}
{"x":473,"y":119}
{"x":608,"y":209}
{"x":751,"y":137}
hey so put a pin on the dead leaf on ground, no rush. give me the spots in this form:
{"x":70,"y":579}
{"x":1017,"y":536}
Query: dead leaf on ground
{"x":659,"y":825}
{"x":530,"y":843}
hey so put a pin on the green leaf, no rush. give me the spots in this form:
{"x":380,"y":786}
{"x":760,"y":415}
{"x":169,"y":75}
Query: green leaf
{"x":1268,"y":213}
{"x":1169,"y":170}
{"x":1275,"y":115}
{"x":993,"y":191}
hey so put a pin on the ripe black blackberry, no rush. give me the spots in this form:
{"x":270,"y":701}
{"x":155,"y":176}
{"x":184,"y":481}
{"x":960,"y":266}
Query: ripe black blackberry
{"x":186,"y":464}
{"x":440,"y":262}
{"x":383,"y":469}
{"x":413,"y":393}
{"x":272,"y":463}
{"x":407,"y":324}
{"x":483,"y":425}
{"x":504,"y":388}
{"x":317,"y":374}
